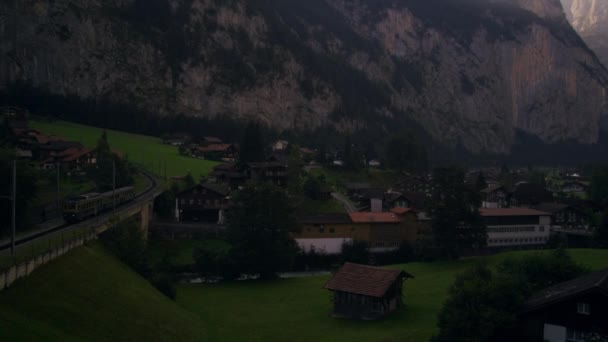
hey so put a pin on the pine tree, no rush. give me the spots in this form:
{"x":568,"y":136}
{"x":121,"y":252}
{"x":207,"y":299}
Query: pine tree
{"x":252,"y":145}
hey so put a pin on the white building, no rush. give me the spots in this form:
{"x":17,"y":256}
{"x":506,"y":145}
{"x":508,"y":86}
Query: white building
{"x":516,"y":226}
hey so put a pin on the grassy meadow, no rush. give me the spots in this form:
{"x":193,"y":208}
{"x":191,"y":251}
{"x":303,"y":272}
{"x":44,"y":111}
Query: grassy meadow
{"x":89,"y":295}
{"x":147,"y":151}
{"x":299,"y":309}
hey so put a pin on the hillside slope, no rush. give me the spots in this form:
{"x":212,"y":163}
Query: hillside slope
{"x":88,"y":295}
{"x":470,"y":73}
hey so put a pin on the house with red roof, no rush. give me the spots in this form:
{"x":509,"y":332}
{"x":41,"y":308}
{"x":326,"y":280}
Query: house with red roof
{"x":218,"y":152}
{"x":366,"y":292}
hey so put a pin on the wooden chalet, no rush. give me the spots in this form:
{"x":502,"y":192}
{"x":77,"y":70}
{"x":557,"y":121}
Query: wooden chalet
{"x":211,"y":141}
{"x":494,"y":196}
{"x":575,"y":187}
{"x":576,"y":310}
{"x":273,"y":172}
{"x":564,"y":216}
{"x":203,"y":203}
{"x":218,"y":152}
{"x":176,"y":139}
{"x":365,"y":292}
{"x":413,"y":200}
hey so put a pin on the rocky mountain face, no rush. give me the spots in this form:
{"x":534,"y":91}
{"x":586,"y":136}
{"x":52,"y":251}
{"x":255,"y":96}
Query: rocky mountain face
{"x":590,"y":19}
{"x":470,"y":73}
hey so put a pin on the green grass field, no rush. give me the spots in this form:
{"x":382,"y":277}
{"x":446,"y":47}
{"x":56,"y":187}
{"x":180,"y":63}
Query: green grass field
{"x":88,"y":295}
{"x":144,"y":150}
{"x":299,"y":309}
{"x":375,"y":177}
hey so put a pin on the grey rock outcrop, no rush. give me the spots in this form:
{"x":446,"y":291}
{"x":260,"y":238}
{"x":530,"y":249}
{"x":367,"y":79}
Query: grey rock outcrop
{"x":470,"y":75}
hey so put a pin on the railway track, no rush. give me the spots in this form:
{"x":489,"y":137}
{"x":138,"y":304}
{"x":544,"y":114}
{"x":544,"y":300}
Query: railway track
{"x":41,"y":234}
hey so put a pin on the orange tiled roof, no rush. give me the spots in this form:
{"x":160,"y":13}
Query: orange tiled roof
{"x":215,"y":148}
{"x":401,"y":211}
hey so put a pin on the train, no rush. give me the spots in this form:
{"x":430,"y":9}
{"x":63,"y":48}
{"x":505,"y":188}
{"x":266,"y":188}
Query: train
{"x":82,"y":207}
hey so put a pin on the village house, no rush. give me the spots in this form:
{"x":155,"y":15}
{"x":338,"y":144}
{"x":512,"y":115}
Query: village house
{"x":495,"y":196}
{"x":412,"y":200}
{"x":382,"y":231}
{"x":229,"y":175}
{"x":370,"y":199}
{"x":509,"y":227}
{"x":235,"y":176}
{"x":366,"y":292}
{"x":415,"y":183}
{"x":205,"y":202}
{"x":326,"y":233}
{"x":206,"y":141}
{"x":575,"y":187}
{"x":280,"y":146}
{"x":575,"y":310}
{"x":176,"y":139}
{"x":565,"y":216}
{"x":217,"y":152}
{"x":273,"y":172}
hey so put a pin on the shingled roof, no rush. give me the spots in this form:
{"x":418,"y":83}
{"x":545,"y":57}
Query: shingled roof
{"x":364,"y":280}
{"x":564,"y":291}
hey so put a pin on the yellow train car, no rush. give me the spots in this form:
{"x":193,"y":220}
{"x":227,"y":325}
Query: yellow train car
{"x":84,"y":206}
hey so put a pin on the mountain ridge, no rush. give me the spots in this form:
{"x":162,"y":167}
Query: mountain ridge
{"x":471,"y":75}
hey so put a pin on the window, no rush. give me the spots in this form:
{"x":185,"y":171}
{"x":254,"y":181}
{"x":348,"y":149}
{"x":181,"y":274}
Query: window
{"x":575,"y":336}
{"x":583,"y":308}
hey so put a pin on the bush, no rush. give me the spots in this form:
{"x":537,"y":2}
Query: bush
{"x":482,"y":305}
{"x":356,"y":252}
{"x":127,"y":242}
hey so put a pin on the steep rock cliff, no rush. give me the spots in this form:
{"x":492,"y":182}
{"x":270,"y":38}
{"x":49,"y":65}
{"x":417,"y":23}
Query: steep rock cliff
{"x":470,"y":74}
{"x":590,"y":19}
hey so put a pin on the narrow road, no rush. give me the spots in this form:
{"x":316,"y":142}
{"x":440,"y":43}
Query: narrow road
{"x":348,"y":205}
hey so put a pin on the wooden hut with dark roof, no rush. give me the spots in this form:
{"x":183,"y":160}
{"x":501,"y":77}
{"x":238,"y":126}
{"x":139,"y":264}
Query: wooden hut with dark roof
{"x":366,"y":292}
{"x":575,"y":310}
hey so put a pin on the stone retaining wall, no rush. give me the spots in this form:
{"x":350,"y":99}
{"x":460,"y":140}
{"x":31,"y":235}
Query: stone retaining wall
{"x":25,"y":268}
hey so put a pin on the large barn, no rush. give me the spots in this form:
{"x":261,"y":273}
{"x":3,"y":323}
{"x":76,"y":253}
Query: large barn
{"x":366,"y":292}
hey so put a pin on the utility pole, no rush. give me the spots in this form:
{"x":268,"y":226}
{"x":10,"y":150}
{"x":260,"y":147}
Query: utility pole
{"x":14,"y":208}
{"x":113,"y":186}
{"x":58,"y":190}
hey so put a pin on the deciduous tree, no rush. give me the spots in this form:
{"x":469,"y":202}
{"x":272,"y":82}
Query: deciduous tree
{"x":482,"y":304}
